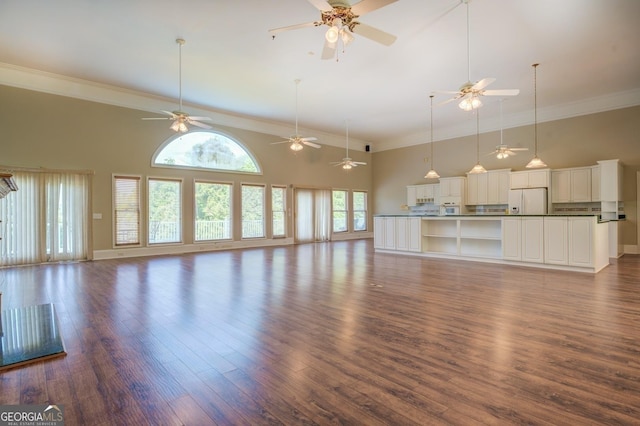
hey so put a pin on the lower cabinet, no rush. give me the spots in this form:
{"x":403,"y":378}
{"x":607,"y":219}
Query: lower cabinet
{"x":396,"y":233}
{"x":556,"y":240}
{"x":571,"y":241}
{"x":384,"y":233}
{"x":408,"y":233}
{"x":522,"y":239}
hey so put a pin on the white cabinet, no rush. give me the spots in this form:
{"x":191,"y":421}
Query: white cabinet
{"x":476,"y":189}
{"x":498,"y":187}
{"x":532,"y":239}
{"x":511,"y":238}
{"x":556,"y":241}
{"x":571,"y":241}
{"x":420,"y":194}
{"x":581,"y":241}
{"x":530,"y":179}
{"x":523,"y":239}
{"x":407,"y":233}
{"x":384,"y":232}
{"x":610,"y":188}
{"x":595,"y":183}
{"x":489,"y":188}
{"x":453,"y":190}
{"x":571,"y":185}
{"x":412,"y":195}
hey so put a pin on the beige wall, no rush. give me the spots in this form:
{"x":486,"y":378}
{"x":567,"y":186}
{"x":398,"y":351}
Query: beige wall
{"x":42,"y":130}
{"x":574,"y":142}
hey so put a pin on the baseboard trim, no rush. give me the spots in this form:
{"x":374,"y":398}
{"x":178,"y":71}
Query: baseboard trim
{"x":629,"y":249}
{"x":169,"y":249}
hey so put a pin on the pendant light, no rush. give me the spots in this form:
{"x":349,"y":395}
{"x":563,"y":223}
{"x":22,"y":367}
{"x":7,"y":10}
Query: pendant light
{"x":477,"y":169}
{"x":535,"y":162}
{"x":431,"y":174}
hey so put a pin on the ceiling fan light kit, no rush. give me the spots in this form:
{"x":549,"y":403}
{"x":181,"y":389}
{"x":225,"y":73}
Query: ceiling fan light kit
{"x":347,"y":162}
{"x":431,"y":174}
{"x":469,"y":93}
{"x":536,"y":162}
{"x":341,"y":18}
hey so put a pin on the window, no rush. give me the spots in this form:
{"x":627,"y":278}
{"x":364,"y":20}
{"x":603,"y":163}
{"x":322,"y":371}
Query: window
{"x":165,"y":213}
{"x":47,"y":219}
{"x":205,"y":150}
{"x":213,"y":211}
{"x":279,"y":211}
{"x":126,"y":210}
{"x":359,"y":211}
{"x":252,"y":211}
{"x":340,"y":211}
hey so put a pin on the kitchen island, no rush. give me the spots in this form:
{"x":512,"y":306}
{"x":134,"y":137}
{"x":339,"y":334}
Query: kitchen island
{"x":568,"y":242}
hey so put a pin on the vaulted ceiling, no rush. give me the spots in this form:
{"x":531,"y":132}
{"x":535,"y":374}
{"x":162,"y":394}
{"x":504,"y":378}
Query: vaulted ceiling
{"x":587,"y":50}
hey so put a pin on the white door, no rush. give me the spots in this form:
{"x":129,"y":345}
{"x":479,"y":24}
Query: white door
{"x":511,"y":238}
{"x":532,"y":239}
{"x":556,"y":249}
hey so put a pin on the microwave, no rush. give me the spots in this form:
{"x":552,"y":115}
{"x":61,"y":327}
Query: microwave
{"x":449,"y":210}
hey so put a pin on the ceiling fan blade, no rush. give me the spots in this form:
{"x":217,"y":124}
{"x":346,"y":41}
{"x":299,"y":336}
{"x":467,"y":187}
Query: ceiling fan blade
{"x":446,"y":92}
{"x":191,"y":117}
{"x":276,"y":143}
{"x":311,"y":144}
{"x":483,"y":83}
{"x":359,"y":163}
{"x":374,"y":34}
{"x":321,"y":5}
{"x":501,"y":92}
{"x":156,"y":118}
{"x":169,"y":113}
{"x":309,"y":139}
{"x":366,"y":6}
{"x":329,"y":50}
{"x":199,"y":124}
{"x":275,"y":31}
{"x":447,"y":101}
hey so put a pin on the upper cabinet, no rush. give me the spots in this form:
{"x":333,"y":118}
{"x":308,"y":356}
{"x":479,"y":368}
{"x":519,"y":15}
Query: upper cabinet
{"x":421,"y":194}
{"x":452,"y":187}
{"x":571,"y":185}
{"x":489,"y":188}
{"x":610,"y":188}
{"x":530,"y":179}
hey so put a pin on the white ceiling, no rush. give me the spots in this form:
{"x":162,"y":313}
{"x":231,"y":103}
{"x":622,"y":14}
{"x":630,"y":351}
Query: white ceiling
{"x":587,"y":50}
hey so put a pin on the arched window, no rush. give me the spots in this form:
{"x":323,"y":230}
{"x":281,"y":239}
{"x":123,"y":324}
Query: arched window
{"x":206,"y":150}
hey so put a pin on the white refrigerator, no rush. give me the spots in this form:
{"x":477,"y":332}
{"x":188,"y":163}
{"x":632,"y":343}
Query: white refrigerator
{"x":528,"y":201}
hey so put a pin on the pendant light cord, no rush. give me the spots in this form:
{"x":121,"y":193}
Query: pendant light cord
{"x":297,"y":81}
{"x":478,"y":136}
{"x":468,"y":43}
{"x":431,"y":130}
{"x":180,"y":43}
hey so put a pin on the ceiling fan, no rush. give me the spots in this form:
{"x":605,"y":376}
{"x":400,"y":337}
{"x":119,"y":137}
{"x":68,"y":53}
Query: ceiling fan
{"x":347,"y":163}
{"x":469,"y":93}
{"x":503,"y":151}
{"x":341,"y":18}
{"x":296,"y":140}
{"x":179,"y":117}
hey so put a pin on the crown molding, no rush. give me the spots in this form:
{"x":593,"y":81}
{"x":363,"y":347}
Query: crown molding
{"x":56,"y":84}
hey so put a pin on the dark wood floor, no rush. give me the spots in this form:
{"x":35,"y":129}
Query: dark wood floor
{"x":332,"y":333}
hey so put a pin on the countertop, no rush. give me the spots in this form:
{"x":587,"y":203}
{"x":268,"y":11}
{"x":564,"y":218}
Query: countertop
{"x":600,"y":220}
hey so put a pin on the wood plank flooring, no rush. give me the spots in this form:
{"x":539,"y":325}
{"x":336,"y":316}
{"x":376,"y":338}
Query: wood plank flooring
{"x":332,"y":333}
